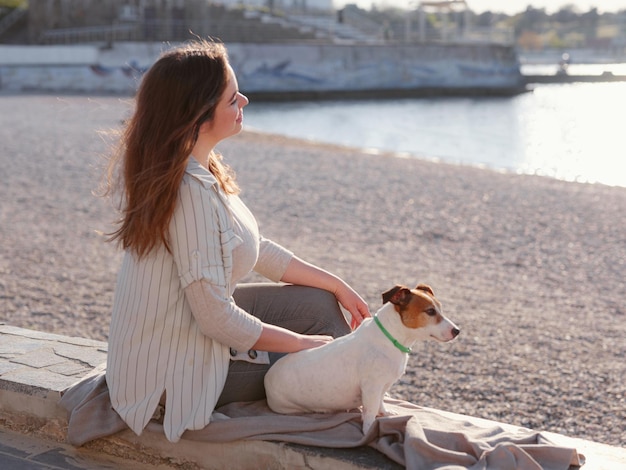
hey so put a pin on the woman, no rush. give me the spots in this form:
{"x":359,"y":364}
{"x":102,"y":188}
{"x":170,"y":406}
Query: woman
{"x":183,"y":333}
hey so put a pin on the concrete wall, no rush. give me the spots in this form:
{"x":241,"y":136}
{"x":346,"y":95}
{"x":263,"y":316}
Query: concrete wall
{"x":270,"y":68}
{"x":298,"y":67}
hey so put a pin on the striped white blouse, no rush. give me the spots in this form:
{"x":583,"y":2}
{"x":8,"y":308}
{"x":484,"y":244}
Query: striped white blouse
{"x":156,"y":344}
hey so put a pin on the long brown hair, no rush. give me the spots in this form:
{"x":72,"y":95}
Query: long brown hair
{"x":177,"y":94}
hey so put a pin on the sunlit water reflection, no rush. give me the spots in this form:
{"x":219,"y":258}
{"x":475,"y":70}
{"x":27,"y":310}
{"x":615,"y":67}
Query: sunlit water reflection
{"x":573,"y":132}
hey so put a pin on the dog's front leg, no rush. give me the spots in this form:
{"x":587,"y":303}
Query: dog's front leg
{"x":372,"y":405}
{"x":382,"y":410}
{"x":368,"y":416}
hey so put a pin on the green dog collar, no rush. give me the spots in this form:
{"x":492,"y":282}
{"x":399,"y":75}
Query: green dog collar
{"x":395,"y":342}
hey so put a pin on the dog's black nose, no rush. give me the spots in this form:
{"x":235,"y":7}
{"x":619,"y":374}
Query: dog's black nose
{"x":455,"y":332}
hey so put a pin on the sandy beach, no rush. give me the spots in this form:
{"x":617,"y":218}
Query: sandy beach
{"x":532,"y":269}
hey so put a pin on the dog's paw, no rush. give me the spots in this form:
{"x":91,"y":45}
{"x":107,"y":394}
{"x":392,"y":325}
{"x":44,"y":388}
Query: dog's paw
{"x":386,"y":413}
{"x":367,"y":424}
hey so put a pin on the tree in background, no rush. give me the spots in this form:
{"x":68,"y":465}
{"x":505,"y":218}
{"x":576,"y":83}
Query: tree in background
{"x":12,"y":3}
{"x":530,"y":41}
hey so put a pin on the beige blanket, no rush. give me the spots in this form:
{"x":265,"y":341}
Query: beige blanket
{"x":415,"y":437}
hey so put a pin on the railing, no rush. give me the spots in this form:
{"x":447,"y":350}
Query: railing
{"x":87,"y":34}
{"x":505,"y":36}
{"x":174,"y":30}
{"x":361,"y":29}
{"x":502,"y":36}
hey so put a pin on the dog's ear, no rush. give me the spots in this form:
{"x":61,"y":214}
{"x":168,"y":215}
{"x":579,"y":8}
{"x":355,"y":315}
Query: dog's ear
{"x":426,"y":288}
{"x":398,"y":295}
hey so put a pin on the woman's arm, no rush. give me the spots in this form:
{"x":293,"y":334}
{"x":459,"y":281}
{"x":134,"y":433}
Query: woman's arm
{"x":303,"y":273}
{"x":276,"y":339}
{"x":222,"y":320}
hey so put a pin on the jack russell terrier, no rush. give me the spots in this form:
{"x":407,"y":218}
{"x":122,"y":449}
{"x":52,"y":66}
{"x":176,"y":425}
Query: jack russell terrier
{"x":357,"y":370}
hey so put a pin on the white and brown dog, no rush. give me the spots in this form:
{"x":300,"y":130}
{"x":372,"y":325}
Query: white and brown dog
{"x":356,"y":370}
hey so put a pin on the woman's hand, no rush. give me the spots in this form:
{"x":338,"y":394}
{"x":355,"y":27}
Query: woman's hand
{"x":313,"y":341}
{"x":303,"y":273}
{"x":276,"y":339}
{"x":353,"y":303}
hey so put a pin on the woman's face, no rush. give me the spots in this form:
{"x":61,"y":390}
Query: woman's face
{"x":228,"y":117}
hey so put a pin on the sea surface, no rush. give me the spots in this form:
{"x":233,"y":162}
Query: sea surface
{"x":574,"y":132}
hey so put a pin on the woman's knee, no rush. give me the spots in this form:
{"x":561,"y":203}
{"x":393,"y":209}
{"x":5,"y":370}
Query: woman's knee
{"x":303,"y":309}
{"x":326,"y":311}
{"x":319,"y":298}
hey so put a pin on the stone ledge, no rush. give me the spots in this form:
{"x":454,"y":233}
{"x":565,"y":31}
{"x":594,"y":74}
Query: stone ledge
{"x":36,"y":367}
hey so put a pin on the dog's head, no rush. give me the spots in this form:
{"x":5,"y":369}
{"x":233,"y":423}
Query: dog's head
{"x":419,"y":309}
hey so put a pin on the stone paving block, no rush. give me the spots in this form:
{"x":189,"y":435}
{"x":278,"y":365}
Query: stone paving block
{"x":40,"y":335}
{"x":6,"y":366}
{"x":42,"y":357}
{"x":70,"y":369}
{"x":85,"y":355}
{"x":13,"y":330}
{"x":12,"y":345}
{"x":91,"y":343}
{"x":15,"y":335}
{"x":26,"y":380}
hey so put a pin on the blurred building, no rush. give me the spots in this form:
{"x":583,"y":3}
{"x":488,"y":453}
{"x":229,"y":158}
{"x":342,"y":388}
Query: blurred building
{"x":303,"y":5}
{"x":71,"y":21}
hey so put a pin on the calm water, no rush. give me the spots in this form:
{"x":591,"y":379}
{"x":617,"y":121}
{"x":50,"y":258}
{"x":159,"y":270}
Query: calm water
{"x":572,"y":132}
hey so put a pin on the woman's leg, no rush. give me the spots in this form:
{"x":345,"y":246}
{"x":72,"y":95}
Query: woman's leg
{"x":305,"y":310}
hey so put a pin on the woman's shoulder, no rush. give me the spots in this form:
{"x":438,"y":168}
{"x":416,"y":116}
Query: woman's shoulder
{"x":197,"y":174}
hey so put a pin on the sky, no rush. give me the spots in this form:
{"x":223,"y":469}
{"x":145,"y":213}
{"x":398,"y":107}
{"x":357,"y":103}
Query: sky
{"x":503,"y":6}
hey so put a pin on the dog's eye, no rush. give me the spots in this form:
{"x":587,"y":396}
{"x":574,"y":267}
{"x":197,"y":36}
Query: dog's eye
{"x":431,"y":312}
